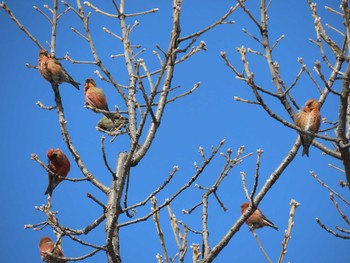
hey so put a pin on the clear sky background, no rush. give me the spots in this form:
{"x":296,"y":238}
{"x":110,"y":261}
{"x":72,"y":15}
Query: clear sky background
{"x":201,"y":119}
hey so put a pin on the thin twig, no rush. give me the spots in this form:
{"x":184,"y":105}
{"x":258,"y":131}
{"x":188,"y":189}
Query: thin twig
{"x":154,"y":10}
{"x":256,"y":176}
{"x":330,"y":230}
{"x":335,"y":203}
{"x":96,"y":200}
{"x":12,"y":16}
{"x":161,"y":187}
{"x":105,"y":157}
{"x":287,"y":235}
{"x":159,"y":229}
{"x":259,"y":243}
{"x":327,"y":187}
{"x":41,"y":105}
{"x":97,"y":10}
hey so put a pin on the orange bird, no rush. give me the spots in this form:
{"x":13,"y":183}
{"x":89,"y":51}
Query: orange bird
{"x":46,"y":245}
{"x":95,"y":97}
{"x":257,"y":219}
{"x":60,"y":165}
{"x":308,"y":119}
{"x":52,"y":70}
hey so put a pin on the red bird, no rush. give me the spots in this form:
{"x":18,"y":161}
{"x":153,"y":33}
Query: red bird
{"x":257,"y":219}
{"x":60,"y":165}
{"x":95,"y":97}
{"x":52,"y":70}
{"x":46,"y":245}
{"x":308,"y":119}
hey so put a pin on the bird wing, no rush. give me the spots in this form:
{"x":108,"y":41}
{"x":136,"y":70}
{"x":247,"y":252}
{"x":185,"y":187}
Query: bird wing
{"x":99,"y":99}
{"x":299,"y":119}
{"x":54,"y":66}
{"x":268,"y":222}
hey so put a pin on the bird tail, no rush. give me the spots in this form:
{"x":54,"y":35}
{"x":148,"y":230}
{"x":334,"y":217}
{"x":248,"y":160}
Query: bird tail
{"x":274,"y":227}
{"x":75,"y":84}
{"x":305,"y":151}
{"x":49,"y":190}
{"x":269,"y":223}
{"x":71,"y":81}
{"x":53,"y":182}
{"x":306,"y":142}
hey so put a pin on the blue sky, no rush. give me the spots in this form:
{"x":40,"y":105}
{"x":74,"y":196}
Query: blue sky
{"x":201,"y":119}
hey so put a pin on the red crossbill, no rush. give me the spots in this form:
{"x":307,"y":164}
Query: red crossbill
{"x":60,"y":165}
{"x":52,"y":70}
{"x":257,"y":219}
{"x":46,"y":245}
{"x":95,"y":97}
{"x":308,"y":119}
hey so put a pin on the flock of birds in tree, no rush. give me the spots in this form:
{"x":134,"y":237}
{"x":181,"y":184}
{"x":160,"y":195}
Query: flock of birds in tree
{"x":307,"y":119}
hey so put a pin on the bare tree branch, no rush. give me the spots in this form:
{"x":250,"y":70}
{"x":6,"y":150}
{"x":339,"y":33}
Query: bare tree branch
{"x":8,"y":11}
{"x":287,"y":234}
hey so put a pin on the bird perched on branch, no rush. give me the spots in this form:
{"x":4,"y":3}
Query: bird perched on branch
{"x":52,"y":70}
{"x":58,"y":164}
{"x":257,"y":219}
{"x":96,"y":98}
{"x":308,"y":119}
{"x":117,"y":123}
{"x":46,"y":245}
